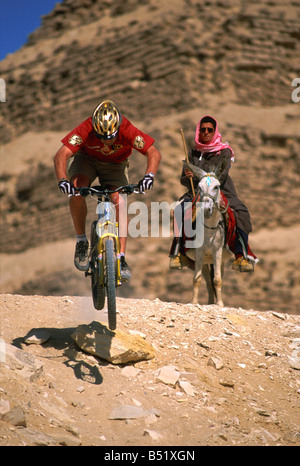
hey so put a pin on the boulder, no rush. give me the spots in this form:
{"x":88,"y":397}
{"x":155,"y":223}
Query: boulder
{"x":117,"y":347}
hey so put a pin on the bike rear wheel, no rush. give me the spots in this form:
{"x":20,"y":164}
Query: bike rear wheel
{"x":98,"y":290}
{"x":111,"y":283}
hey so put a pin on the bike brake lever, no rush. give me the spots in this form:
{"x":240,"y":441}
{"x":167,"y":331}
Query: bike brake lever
{"x":127,"y":190}
{"x":84,"y":192}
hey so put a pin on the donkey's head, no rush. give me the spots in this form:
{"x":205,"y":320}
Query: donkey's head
{"x":208,"y":187}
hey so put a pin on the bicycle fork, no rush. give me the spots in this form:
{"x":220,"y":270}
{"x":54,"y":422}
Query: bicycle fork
{"x":101,"y":250}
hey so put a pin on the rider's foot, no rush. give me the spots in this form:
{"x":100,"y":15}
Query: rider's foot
{"x":180,"y":261}
{"x":125,"y":269}
{"x":175,"y":262}
{"x":243,"y":265}
{"x":81,"y":260}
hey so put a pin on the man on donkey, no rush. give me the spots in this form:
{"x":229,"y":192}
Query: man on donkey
{"x":207,"y":153}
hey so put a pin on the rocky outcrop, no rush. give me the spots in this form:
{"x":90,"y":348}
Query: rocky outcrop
{"x":152,"y":57}
{"x":24,"y":364}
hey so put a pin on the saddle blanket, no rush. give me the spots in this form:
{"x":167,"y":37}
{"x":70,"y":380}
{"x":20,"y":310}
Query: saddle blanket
{"x":231,"y":232}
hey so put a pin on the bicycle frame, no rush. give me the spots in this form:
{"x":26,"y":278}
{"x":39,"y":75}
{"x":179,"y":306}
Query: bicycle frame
{"x":107,"y":227}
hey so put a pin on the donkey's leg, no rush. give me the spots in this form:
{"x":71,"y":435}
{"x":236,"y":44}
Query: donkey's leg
{"x":197,"y":276}
{"x":209,"y":284}
{"x":222,"y":268}
{"x":218,"y":276}
{"x":196,"y":284}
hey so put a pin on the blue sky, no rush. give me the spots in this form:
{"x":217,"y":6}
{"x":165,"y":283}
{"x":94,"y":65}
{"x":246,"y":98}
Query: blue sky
{"x":18,"y":18}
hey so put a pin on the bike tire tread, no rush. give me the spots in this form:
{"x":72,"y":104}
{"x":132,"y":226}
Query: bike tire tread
{"x":111,"y":283}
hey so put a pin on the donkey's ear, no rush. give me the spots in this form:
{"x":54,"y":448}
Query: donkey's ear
{"x":198,"y":172}
{"x":220,"y":167}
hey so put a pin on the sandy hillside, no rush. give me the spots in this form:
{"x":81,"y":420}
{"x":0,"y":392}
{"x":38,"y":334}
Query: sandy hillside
{"x":236,"y":376}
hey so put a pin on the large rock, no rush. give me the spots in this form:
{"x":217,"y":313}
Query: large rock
{"x":16,"y":417}
{"x":116,"y":346}
{"x":24,"y":364}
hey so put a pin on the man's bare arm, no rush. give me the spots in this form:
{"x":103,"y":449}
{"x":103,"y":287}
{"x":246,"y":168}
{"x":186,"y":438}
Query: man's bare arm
{"x":60,"y":162}
{"x":153,"y":160}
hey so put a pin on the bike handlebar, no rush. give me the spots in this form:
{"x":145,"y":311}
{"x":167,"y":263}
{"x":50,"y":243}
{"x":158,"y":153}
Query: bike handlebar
{"x":85,"y":191}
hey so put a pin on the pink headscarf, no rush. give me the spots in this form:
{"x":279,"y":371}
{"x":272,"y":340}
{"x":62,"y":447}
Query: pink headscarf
{"x":215,"y":144}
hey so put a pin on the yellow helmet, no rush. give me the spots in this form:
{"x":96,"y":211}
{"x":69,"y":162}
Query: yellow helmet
{"x":106,"y":120}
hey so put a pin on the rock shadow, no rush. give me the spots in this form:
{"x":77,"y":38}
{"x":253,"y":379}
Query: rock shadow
{"x":60,"y":339}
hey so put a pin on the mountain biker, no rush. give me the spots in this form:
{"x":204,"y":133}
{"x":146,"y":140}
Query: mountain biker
{"x":207,"y":153}
{"x":100,"y":147}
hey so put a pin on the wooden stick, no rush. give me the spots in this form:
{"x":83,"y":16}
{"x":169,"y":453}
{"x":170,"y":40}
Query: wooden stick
{"x":187,"y":159}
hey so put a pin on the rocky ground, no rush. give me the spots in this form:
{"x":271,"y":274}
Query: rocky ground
{"x":220,"y":376}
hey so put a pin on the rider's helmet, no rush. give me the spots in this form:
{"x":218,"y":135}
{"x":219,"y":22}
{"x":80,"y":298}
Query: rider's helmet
{"x":106,"y":120}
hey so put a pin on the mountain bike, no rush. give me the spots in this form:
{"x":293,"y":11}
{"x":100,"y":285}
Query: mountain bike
{"x":104,"y":256}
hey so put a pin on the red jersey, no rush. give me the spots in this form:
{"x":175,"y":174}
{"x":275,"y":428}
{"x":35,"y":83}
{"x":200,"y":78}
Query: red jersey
{"x":129,"y":137}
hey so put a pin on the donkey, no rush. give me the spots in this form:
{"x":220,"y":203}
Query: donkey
{"x":211,"y":255}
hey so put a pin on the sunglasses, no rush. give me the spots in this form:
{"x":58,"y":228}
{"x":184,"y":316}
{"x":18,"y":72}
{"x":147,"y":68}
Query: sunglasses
{"x":106,"y":138}
{"x":203,"y":130}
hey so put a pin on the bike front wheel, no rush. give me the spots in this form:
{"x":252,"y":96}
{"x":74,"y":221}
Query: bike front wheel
{"x":111,"y":289}
{"x":98,"y":290}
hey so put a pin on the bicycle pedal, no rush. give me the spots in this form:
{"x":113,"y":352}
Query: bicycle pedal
{"x":87,"y":274}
